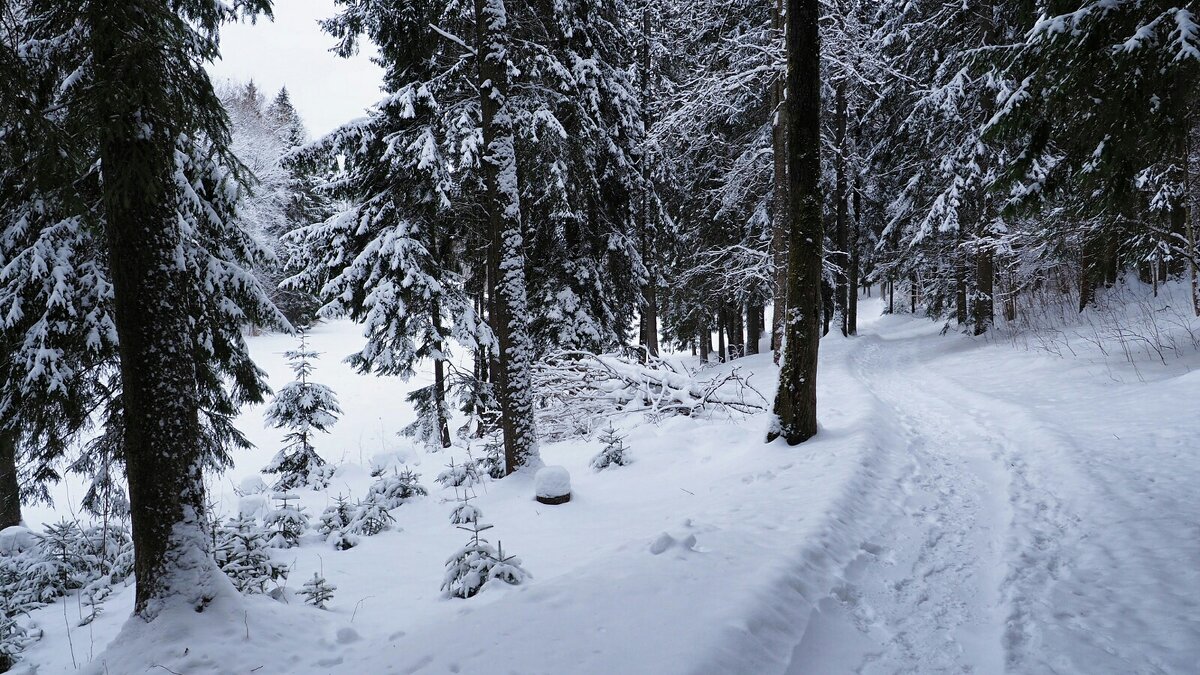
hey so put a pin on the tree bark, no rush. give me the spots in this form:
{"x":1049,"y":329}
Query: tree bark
{"x":796,"y":400}
{"x":439,"y":376}
{"x":510,"y":320}
{"x":737,"y":336}
{"x":162,"y":436}
{"x":985,"y":280}
{"x":722,"y":352}
{"x":841,"y":258}
{"x":753,"y":327}
{"x":10,"y":489}
{"x":960,"y":287}
{"x":649,"y":313}
{"x":779,"y":198}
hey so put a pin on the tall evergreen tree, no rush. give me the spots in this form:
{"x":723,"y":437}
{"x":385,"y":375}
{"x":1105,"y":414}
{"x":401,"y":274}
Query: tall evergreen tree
{"x":133,"y":95}
{"x":796,"y":400}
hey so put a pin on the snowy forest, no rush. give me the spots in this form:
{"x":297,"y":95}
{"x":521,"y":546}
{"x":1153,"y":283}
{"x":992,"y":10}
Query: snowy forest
{"x":741,"y":336}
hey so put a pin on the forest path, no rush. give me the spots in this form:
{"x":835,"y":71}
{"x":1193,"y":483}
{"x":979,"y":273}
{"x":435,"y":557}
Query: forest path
{"x":1005,"y":544}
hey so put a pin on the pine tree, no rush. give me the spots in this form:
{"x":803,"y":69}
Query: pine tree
{"x":304,"y":407}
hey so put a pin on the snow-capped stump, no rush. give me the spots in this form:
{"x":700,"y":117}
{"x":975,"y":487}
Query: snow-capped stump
{"x":552,"y":485}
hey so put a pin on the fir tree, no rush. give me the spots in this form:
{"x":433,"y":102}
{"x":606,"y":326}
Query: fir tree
{"x":477,"y":563}
{"x":131,"y":92}
{"x":242,"y":554}
{"x":392,"y":491}
{"x":304,"y":407}
{"x":317,"y":591}
{"x":614,"y":451}
{"x":370,"y":516}
{"x":286,"y":523}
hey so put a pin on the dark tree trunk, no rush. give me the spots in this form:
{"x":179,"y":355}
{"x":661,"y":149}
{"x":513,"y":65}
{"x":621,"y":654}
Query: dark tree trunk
{"x":855,"y":233}
{"x":828,"y":307}
{"x":753,"y":327}
{"x":891,"y":296}
{"x":704,"y":339}
{"x":162,"y":437}
{"x":649,"y":310}
{"x":985,"y":280}
{"x":913,"y":291}
{"x":722,"y":352}
{"x":737,"y":336}
{"x":985,"y":286}
{"x":507,"y":249}
{"x":439,"y":377}
{"x":960,"y":288}
{"x":796,"y":400}
{"x":779,"y":196}
{"x":10,"y":490}
{"x":1087,"y":273}
{"x":841,"y":259}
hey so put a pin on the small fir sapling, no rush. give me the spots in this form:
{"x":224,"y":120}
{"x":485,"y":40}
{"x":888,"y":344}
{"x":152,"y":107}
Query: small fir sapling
{"x":242,"y":555}
{"x":286,"y":523}
{"x":463,"y":474}
{"x":335,"y":523}
{"x":317,"y":591}
{"x":305,"y":408}
{"x":614,"y":453}
{"x":370,"y":517}
{"x":492,"y":461}
{"x":394,"y":490}
{"x":476,"y":563}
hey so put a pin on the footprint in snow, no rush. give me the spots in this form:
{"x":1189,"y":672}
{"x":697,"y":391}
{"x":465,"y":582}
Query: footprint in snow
{"x":665,"y":542}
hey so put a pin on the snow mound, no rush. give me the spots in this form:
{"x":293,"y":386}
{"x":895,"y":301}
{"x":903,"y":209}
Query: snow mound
{"x":233,"y":634}
{"x":16,"y":539}
{"x":552,"y":481}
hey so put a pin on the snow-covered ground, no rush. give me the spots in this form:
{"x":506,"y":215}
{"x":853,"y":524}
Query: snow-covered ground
{"x":967,"y":506}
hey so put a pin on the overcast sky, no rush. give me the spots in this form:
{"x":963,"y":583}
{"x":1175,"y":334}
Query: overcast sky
{"x":293,"y":51}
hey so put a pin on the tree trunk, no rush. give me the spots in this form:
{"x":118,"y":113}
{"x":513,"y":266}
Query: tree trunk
{"x":753,"y":327}
{"x":510,"y":316}
{"x":722,"y":352}
{"x":704,"y":339}
{"x":439,"y":376}
{"x":737,"y":336}
{"x":163,"y":446}
{"x":1087,"y":273}
{"x":841,"y":258}
{"x":855,"y":233}
{"x":649,"y":311}
{"x":913,"y":292}
{"x":985,"y":280}
{"x":1192,"y":215}
{"x":960,"y":287}
{"x":10,"y":489}
{"x":796,"y":400}
{"x":779,"y":198}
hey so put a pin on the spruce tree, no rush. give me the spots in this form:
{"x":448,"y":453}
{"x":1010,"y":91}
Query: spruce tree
{"x":143,"y":106}
{"x":304,"y":407}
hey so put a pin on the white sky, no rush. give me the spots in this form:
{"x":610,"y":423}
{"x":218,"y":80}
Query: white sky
{"x":294,"y":51}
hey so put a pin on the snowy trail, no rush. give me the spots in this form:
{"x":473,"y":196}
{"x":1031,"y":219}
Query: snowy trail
{"x":1006,"y":544}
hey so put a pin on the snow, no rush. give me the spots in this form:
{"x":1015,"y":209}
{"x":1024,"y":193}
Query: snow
{"x":967,"y":506}
{"x":552,"y":481}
